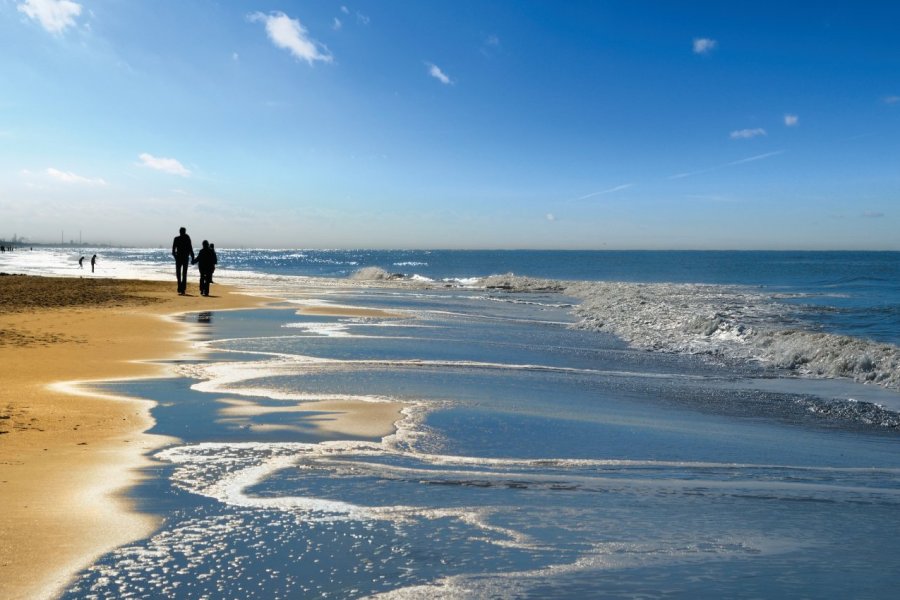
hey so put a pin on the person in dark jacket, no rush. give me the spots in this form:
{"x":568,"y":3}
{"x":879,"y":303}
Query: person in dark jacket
{"x":183,"y":251}
{"x":206,"y":262}
{"x":215,"y":261}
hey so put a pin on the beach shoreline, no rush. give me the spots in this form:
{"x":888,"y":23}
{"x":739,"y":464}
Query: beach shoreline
{"x":68,"y":453}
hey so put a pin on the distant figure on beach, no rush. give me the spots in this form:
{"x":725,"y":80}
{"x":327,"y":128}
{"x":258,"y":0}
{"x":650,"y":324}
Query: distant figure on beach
{"x":93,"y":262}
{"x":215,"y":261}
{"x":183,"y":251}
{"x":206,"y":262}
{"x":81,"y":263}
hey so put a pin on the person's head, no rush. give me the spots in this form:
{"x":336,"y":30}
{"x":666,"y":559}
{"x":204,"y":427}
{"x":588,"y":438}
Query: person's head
{"x":205,"y":244}
{"x":213,"y":246}
{"x":182,"y":231}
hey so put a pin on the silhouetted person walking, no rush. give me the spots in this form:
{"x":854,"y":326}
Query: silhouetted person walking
{"x":215,"y":261}
{"x":81,"y":263}
{"x":206,"y":261}
{"x":93,"y":262}
{"x":183,"y":251}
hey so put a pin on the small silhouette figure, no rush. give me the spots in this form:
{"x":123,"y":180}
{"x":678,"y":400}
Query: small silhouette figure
{"x":215,"y":261}
{"x":183,"y":251}
{"x":81,"y":263}
{"x":206,"y":262}
{"x":93,"y":262}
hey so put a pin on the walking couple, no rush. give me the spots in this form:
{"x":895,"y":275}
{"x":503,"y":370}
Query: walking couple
{"x":183,"y":251}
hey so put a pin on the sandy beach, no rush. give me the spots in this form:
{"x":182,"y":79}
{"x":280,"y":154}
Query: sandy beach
{"x":65,"y":457}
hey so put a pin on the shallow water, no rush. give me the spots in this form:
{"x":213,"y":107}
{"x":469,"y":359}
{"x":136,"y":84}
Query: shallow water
{"x":533,"y":460}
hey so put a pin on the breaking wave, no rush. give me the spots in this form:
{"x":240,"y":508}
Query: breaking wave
{"x":727,"y":322}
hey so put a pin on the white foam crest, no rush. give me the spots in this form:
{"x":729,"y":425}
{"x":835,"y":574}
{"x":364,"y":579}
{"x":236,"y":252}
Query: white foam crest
{"x":333,"y":330}
{"x":371,"y":274}
{"x":224,"y":472}
{"x":731,"y":322}
{"x":223,"y":377}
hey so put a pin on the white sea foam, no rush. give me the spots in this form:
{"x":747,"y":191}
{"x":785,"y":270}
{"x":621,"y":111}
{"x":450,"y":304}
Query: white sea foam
{"x":716,"y":320}
{"x":605,"y":556}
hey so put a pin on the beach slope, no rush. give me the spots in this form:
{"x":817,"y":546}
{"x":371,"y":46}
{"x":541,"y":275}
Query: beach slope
{"x":66,"y":454}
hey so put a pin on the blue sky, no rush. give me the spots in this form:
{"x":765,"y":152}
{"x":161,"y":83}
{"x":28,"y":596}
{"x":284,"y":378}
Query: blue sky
{"x":465,"y":124}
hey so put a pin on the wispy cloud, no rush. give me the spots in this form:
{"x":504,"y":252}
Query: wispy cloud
{"x":871,"y":214}
{"x":336,"y":24}
{"x":704,"y":45}
{"x":490,"y":45}
{"x":746,"y":134}
{"x":550,"y":217}
{"x":289,"y":34}
{"x":892,"y":100}
{"x":166,"y":165}
{"x":70,"y":177}
{"x":435,"y":71}
{"x":611,"y":190}
{"x":54,"y":15}
{"x":791,"y":120}
{"x":754,"y":158}
{"x":728,"y":164}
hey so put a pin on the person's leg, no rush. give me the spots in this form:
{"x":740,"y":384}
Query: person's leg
{"x":181,"y":274}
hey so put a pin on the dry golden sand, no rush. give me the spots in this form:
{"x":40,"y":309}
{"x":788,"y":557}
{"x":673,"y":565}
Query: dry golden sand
{"x":64,"y":458}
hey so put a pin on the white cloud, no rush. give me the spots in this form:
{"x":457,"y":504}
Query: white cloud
{"x":167,"y":165}
{"x":345,"y":10}
{"x":69,"y":177}
{"x":53,"y":15}
{"x":362,"y":19}
{"x":746,"y":134}
{"x":550,"y":217}
{"x":436,"y":72}
{"x":235,"y":56}
{"x":892,"y":100}
{"x":791,"y":120}
{"x":289,"y":34}
{"x":336,"y":24}
{"x":704,"y":45}
{"x":492,"y":40}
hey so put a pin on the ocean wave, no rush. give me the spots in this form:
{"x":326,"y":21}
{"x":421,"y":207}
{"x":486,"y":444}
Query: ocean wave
{"x":374,"y":274}
{"x":730,"y":322}
{"x":727,"y":322}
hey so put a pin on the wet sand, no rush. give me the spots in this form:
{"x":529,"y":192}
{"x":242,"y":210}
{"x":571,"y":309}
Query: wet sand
{"x":66,"y":457}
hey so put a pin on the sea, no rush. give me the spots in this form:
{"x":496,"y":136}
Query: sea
{"x":575,"y":424}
